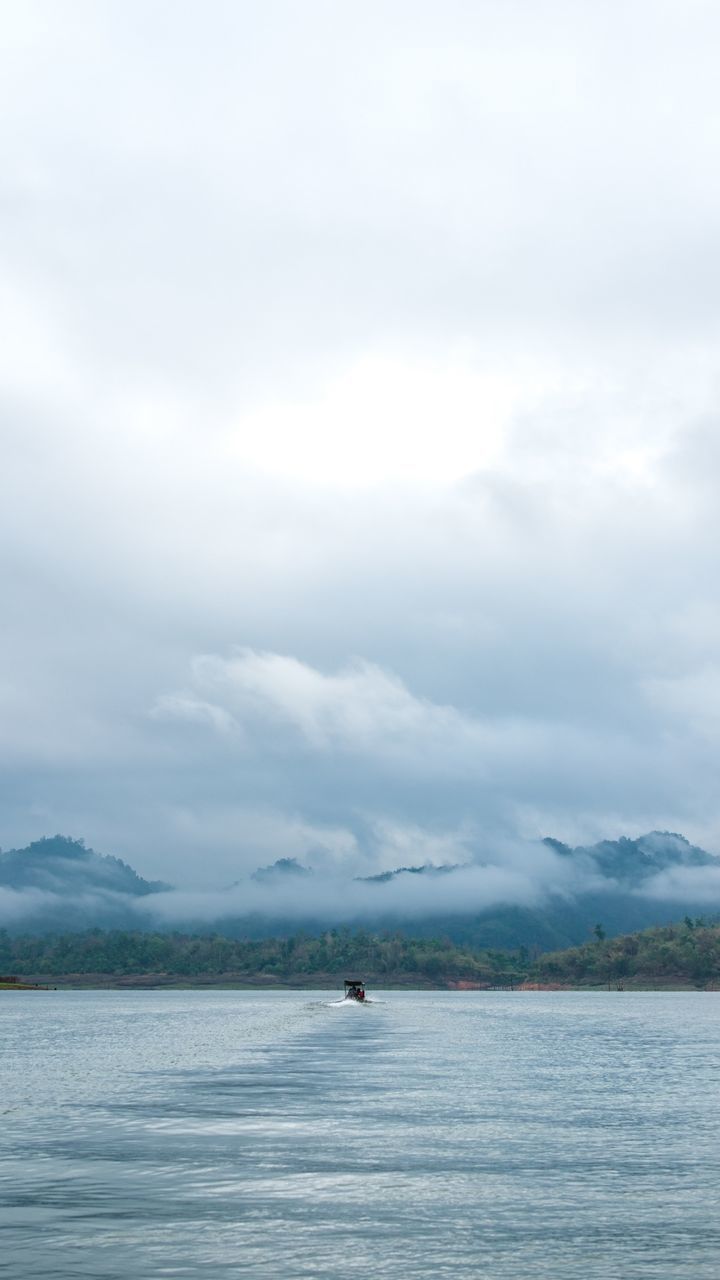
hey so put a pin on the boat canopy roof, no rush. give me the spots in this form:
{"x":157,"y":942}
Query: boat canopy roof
{"x":354,"y":982}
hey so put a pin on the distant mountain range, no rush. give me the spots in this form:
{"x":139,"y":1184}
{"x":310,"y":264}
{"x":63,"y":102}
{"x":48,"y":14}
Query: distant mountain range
{"x":58,"y":884}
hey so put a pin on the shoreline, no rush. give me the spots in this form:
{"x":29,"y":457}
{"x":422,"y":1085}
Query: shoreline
{"x":324,"y":982}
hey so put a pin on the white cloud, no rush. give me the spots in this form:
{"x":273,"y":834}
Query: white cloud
{"x":360,"y":708}
{"x":179,"y":706}
{"x":387,"y":419}
{"x":311,"y":897}
{"x":684,"y":884}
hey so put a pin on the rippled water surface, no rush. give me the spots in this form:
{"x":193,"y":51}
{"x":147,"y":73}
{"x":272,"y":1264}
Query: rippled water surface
{"x":225,"y":1133}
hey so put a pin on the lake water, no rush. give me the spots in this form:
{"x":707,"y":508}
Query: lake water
{"x":223,"y":1134}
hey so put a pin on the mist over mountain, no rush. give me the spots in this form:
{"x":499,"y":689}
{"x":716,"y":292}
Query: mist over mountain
{"x":535,"y":893}
{"x":58,"y":882}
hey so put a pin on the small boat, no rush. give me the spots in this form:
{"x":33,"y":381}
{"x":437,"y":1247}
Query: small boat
{"x":355,"y":990}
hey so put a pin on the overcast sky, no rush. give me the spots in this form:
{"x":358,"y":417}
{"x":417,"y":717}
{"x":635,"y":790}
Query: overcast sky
{"x":359,"y":410}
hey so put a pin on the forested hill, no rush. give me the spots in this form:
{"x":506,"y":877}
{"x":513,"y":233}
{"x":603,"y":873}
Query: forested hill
{"x":65,"y":868}
{"x":686,"y":954}
{"x":163,"y":959}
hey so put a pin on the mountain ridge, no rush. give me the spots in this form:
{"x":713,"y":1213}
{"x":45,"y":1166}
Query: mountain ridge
{"x":58,"y":883}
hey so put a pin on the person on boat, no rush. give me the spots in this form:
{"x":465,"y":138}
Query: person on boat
{"x":354,"y":990}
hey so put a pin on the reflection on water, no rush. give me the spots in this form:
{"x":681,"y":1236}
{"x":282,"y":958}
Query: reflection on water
{"x":224,"y":1134}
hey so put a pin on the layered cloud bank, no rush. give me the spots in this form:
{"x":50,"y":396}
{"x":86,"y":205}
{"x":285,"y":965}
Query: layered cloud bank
{"x":358,"y":410}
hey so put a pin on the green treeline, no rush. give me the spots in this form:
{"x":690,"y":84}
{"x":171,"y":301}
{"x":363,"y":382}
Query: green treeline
{"x":686,"y":954}
{"x":332,"y":955}
{"x":676,"y":954}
